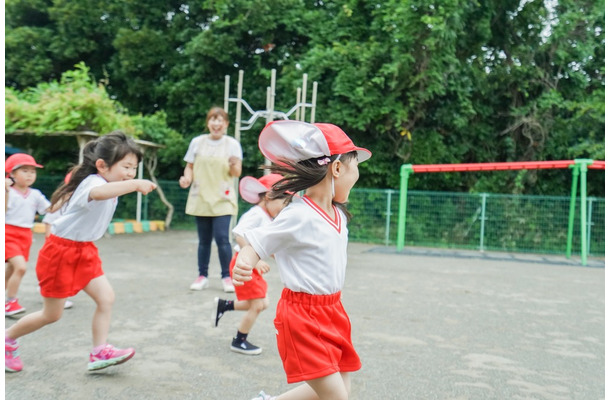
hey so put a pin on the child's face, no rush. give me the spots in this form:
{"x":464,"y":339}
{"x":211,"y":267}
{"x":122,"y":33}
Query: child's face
{"x":347,"y":179}
{"x":123,"y":170}
{"x":24,"y":176}
{"x":217,"y":126}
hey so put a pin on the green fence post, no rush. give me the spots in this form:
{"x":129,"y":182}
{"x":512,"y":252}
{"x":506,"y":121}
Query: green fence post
{"x":405,"y":170}
{"x":575,"y":172}
{"x":584,"y":165}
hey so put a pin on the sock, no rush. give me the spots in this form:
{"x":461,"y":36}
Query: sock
{"x":240,"y":337}
{"x":11,"y":298}
{"x":8,"y":340}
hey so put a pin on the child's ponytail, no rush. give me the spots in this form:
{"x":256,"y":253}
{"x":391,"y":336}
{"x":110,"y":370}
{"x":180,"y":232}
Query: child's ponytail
{"x":110,"y":148}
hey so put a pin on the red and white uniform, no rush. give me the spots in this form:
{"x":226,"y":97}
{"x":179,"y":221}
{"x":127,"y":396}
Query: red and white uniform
{"x":313,"y":329}
{"x":257,"y":287}
{"x":310,"y":247}
{"x":69,"y":260}
{"x":19,"y":220}
{"x":22,"y":207}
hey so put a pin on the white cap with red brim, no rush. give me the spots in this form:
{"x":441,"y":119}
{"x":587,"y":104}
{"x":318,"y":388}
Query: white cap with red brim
{"x":298,"y":141}
{"x":250,"y":187}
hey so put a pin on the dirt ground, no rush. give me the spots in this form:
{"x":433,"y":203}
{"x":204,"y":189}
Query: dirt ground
{"x":426,"y":326}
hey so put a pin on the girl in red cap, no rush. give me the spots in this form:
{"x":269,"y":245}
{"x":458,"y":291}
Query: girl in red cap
{"x":69,"y":262}
{"x":22,"y":204}
{"x":309,"y":239}
{"x":252,"y":296}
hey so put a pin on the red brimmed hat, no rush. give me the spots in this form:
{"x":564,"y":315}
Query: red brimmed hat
{"x":18,"y":160}
{"x":250,"y":187}
{"x":298,"y":141}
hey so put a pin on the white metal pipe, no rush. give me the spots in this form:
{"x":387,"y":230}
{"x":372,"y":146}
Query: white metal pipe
{"x":227,"y":85}
{"x":297,"y":115}
{"x":304,"y":94}
{"x":314,"y":97}
{"x":240,"y":85}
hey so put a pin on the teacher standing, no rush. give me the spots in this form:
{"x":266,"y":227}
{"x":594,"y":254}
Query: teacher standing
{"x":213,"y":161}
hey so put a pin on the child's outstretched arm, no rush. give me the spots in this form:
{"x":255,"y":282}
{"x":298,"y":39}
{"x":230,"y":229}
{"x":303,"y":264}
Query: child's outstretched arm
{"x":246,"y":260}
{"x":115,"y":189}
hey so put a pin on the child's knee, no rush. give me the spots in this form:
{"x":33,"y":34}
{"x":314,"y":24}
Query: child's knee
{"x":260,"y":305}
{"x":52,"y":316}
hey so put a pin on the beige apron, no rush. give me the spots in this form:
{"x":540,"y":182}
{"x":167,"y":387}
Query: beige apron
{"x":212,"y":192}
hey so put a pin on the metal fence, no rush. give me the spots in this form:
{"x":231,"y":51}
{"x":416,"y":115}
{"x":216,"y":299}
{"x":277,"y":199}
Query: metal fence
{"x":483,"y":221}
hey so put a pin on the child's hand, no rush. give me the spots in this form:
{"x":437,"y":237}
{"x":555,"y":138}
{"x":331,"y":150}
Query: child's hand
{"x":262,"y":267}
{"x":242,"y":272}
{"x":184,"y":182}
{"x":145,"y":186}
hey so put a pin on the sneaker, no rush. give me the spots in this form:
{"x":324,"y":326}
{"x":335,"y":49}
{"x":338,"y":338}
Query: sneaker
{"x":12,"y":361}
{"x":13,"y":307}
{"x":109,"y":356}
{"x":263,"y":396}
{"x":68,"y":304}
{"x":218,"y":310}
{"x":245,"y":347}
{"x":227,"y":285}
{"x":200,"y":283}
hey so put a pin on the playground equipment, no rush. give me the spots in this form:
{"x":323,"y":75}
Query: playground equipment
{"x":578,"y":166}
{"x":269,"y":113}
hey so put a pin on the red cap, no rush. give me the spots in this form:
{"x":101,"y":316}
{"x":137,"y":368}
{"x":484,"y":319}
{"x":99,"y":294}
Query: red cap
{"x":340,"y":143}
{"x":250,"y":187}
{"x":297,"y":141}
{"x":18,"y":160}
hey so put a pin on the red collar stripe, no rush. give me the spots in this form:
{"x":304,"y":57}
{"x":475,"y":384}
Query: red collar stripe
{"x":336,"y":223}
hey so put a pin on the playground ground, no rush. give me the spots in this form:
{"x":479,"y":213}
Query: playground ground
{"x":427,"y":325}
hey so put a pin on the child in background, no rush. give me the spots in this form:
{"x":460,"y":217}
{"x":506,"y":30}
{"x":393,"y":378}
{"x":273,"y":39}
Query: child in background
{"x":69,"y":261}
{"x":22,"y":204}
{"x":252,"y":296}
{"x":309,"y":239}
{"x":48,"y":220}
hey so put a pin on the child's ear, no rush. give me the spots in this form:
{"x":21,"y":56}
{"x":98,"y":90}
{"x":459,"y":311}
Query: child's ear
{"x":335,"y":168}
{"x":100,"y":165}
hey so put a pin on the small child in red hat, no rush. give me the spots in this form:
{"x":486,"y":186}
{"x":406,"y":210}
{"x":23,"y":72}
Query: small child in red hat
{"x":22,"y":204}
{"x":309,"y":240}
{"x":252,"y":296}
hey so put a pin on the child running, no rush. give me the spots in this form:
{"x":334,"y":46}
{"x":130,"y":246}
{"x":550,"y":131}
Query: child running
{"x":69,"y":262}
{"x":22,"y":204}
{"x":309,"y":239}
{"x":252,"y":296}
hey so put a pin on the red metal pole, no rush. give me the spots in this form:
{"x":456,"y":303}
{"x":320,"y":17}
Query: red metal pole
{"x":499,"y":166}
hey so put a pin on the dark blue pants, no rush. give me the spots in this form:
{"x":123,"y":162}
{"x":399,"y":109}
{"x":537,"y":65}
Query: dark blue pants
{"x":216,"y":228}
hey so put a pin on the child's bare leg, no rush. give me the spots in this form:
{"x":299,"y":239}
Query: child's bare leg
{"x":14,"y":274}
{"x":256,"y":306}
{"x":101,"y":292}
{"x":52,"y":310}
{"x":8,"y":271}
{"x":335,"y":386}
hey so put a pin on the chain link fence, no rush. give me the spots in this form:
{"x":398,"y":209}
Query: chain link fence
{"x":481,"y":221}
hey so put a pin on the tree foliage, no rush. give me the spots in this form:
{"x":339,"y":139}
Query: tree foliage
{"x":419,"y":82}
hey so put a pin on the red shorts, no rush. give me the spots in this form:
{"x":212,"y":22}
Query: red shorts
{"x":253,"y":289}
{"x":17,"y":242}
{"x":314,"y":336}
{"x":65,"y":267}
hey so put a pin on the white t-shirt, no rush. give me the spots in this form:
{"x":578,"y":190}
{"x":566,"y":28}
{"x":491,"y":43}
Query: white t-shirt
{"x":253,"y":218}
{"x":234,"y":148}
{"x":82,"y":220}
{"x":310,"y":247}
{"x":22,"y":208}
